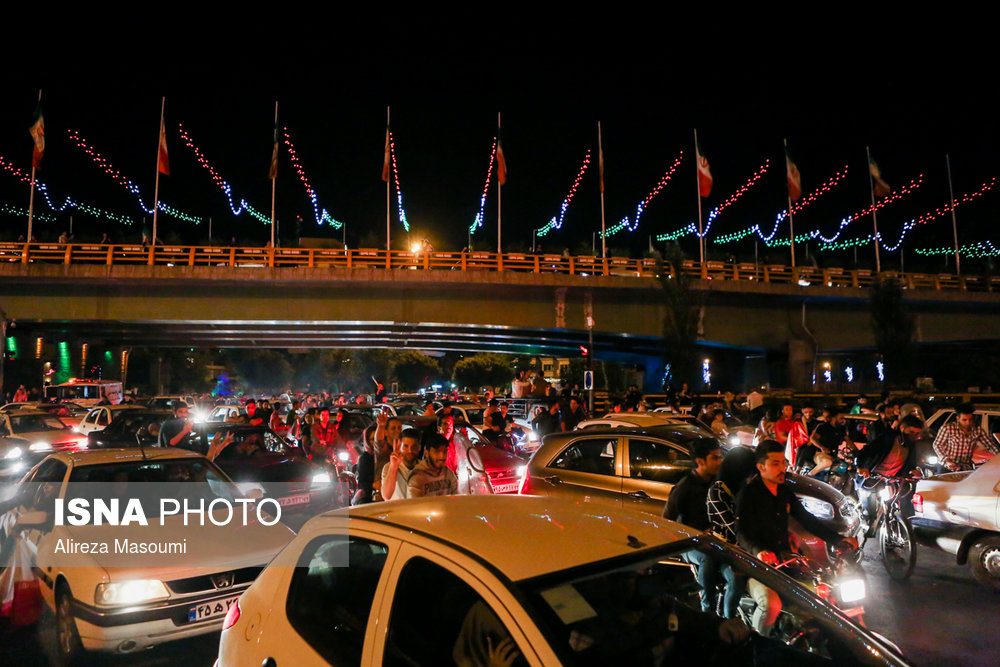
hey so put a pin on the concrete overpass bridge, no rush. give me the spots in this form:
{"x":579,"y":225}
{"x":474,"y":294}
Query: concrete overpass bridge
{"x":228,"y":297}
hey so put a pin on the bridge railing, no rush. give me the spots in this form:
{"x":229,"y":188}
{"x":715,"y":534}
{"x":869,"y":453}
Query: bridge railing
{"x":244,"y":257}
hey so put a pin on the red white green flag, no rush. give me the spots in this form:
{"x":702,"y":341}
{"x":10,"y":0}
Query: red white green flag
{"x":385,"y":162}
{"x":273,"y":173}
{"x":37,"y":131}
{"x":794,"y":179}
{"x":501,"y":162}
{"x":881,"y":188}
{"x":704,"y":173}
{"x":162,"y":161}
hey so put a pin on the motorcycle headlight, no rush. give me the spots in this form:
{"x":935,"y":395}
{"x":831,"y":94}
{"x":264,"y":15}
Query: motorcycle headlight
{"x":343,"y":456}
{"x":932,"y":460}
{"x":321,"y":478}
{"x":15,"y":452}
{"x":852,"y":590}
{"x":130,"y":592}
{"x":818,"y":508}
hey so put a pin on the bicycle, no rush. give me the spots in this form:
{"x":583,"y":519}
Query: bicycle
{"x":896,"y":543}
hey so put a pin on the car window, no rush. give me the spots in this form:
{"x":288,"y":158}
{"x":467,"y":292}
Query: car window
{"x":593,"y":455}
{"x":993,"y":424}
{"x":331,"y":594}
{"x":657,"y":461}
{"x":45,"y":486}
{"x":102,"y":418}
{"x":457,"y":629}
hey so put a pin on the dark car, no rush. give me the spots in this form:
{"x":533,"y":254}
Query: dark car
{"x":131,"y":429}
{"x":637,"y":468}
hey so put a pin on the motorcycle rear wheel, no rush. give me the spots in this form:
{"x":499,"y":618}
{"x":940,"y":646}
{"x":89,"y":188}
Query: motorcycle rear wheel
{"x":899,"y":551}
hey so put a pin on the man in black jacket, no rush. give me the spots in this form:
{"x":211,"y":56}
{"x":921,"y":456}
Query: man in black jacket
{"x":763,"y":508}
{"x":688,"y":504}
{"x":892,"y":455}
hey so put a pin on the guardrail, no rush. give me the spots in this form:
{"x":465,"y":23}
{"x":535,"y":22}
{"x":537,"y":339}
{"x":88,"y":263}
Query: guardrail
{"x":240,"y":257}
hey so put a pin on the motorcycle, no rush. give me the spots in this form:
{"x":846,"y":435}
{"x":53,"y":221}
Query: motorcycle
{"x":896,"y":543}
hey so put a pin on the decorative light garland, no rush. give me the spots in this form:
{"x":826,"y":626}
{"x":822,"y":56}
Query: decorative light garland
{"x":321,"y":217}
{"x":693,"y":229}
{"x":223,"y":185}
{"x":631,"y":226}
{"x":977,"y":250}
{"x":399,"y":192}
{"x":23,"y":213}
{"x":478,"y":222}
{"x":557,"y":224}
{"x":109,"y":169}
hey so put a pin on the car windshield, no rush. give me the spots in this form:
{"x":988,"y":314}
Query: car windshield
{"x":474,"y":416}
{"x":646,"y":610}
{"x":35,"y":423}
{"x":160,"y":403}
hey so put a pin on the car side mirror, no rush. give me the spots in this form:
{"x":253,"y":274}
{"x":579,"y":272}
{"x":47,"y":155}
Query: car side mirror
{"x":476,"y":461}
{"x":32,"y":519}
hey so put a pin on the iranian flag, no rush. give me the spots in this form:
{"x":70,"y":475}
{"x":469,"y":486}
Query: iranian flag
{"x":273,"y":172}
{"x":501,"y":162}
{"x":881,"y":188}
{"x":37,"y":131}
{"x":704,"y":173}
{"x":794,"y":180}
{"x":162,"y":161}
{"x":385,"y":162}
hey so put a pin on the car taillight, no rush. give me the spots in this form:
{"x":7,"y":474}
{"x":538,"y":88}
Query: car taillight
{"x":232,"y":616}
{"x":524,"y":488}
{"x":918,"y":503}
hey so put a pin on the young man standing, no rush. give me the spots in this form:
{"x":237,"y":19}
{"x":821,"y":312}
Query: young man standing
{"x":431,"y":477}
{"x":402,"y":462}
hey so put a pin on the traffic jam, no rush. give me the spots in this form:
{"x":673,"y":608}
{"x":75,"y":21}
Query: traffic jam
{"x":473,"y":529}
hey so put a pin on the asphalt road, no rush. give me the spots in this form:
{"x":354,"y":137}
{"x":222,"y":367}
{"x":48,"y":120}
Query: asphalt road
{"x":941,"y":616}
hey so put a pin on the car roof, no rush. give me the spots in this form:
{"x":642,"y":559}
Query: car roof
{"x":552,"y":534}
{"x":639,"y":419}
{"x":89,"y":457}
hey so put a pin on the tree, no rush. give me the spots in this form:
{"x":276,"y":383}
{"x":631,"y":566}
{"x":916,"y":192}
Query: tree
{"x":892,"y":327}
{"x":414,"y":370}
{"x":264,"y":370}
{"x":680,"y":320}
{"x":484,"y":369}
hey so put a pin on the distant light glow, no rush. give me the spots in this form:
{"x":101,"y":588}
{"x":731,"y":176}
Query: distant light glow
{"x":881,"y":371}
{"x":706,"y":372}
{"x":849,"y":372}
{"x":828,"y":375}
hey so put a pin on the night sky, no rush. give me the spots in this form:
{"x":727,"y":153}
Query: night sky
{"x":649,"y":79}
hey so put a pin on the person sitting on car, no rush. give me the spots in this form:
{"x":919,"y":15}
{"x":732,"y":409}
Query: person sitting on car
{"x":958,"y":439}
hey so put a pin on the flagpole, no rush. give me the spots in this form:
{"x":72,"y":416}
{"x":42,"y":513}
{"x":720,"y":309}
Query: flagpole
{"x":31,"y":197}
{"x":499,"y":190}
{"x":156,"y":188}
{"x":954,"y":223}
{"x":600,"y":154}
{"x":388,"y":245}
{"x":697,"y":184}
{"x":274,"y":181}
{"x":791,"y":219}
{"x":871,"y":188}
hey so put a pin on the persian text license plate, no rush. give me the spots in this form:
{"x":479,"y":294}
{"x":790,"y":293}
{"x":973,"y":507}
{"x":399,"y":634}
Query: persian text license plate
{"x":506,"y":487}
{"x":300,"y":499}
{"x":211,"y":609}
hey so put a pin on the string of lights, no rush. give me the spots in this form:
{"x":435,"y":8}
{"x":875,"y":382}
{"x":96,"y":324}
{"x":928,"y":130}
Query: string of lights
{"x":624,"y":223}
{"x":977,"y":250}
{"x":796,"y":208}
{"x":399,"y":192}
{"x":223,"y":185}
{"x":67,"y":203}
{"x":903,"y":191}
{"x":23,"y":213}
{"x":109,"y":169}
{"x":693,"y":229}
{"x":478,"y":222}
{"x":322,"y":217}
{"x":555,"y":223}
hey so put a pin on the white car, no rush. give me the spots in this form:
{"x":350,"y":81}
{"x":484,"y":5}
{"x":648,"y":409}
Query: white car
{"x":536,"y":581}
{"x":959,"y":512}
{"x":27,"y":437}
{"x":102,"y":605}
{"x":98,"y":418}
{"x":222,"y":413}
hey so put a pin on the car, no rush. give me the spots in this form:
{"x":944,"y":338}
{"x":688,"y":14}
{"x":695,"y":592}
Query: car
{"x":125,"y":603}
{"x":471,"y":413}
{"x":987,"y":419}
{"x":169,"y":401}
{"x":68,"y":412}
{"x":637,"y":468}
{"x":223,"y":413}
{"x":98,"y":418}
{"x":437,"y":581}
{"x":28,"y":436}
{"x":140,"y":426}
{"x":959,"y":513}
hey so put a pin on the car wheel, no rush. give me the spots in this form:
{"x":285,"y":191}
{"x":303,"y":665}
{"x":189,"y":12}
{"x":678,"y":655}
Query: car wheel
{"x":899,"y":552}
{"x":984,"y":558}
{"x":69,"y":648}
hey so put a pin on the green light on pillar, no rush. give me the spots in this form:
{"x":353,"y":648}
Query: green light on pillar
{"x":65,"y":363}
{"x":12,"y":345}
{"x":108,"y":357}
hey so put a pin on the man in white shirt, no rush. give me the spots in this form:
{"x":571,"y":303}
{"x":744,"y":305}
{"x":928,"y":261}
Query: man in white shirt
{"x":402,"y":462}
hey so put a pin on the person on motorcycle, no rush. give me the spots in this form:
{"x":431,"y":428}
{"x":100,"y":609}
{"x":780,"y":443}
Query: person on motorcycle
{"x":824,"y":443}
{"x":763,"y":508}
{"x":324,"y":435}
{"x":892,"y":455}
{"x":958,"y":439}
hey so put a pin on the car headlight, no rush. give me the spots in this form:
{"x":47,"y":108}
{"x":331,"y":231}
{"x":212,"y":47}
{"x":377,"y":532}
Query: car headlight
{"x":130,"y":592}
{"x":932,"y":460}
{"x":734,"y":439}
{"x":818,"y":508}
{"x":852,"y":590}
{"x":532,"y":436}
{"x":321,"y":478}
{"x":15,"y":452}
{"x":40,"y":447}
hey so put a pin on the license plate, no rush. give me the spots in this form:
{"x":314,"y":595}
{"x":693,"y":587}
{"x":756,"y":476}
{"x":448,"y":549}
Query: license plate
{"x":300,"y":499}
{"x":506,"y":487}
{"x":211,"y":609}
